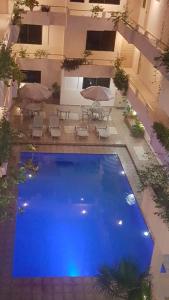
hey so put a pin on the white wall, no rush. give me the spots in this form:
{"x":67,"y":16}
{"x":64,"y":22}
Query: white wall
{"x":70,"y":92}
{"x":157,"y":17}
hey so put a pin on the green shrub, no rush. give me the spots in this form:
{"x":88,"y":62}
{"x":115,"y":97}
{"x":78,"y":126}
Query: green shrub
{"x":137,"y":129}
{"x":162,"y":133}
{"x":9,"y":69}
{"x":157,"y":177}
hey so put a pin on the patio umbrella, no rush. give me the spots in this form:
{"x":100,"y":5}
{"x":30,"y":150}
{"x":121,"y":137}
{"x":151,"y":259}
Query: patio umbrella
{"x":35,"y":91}
{"x":97,"y":93}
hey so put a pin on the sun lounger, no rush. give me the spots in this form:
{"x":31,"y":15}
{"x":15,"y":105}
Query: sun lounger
{"x":54,"y":127}
{"x":37,"y":127}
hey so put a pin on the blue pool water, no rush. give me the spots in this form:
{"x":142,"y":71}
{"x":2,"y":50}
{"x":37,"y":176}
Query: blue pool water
{"x":77,"y":216}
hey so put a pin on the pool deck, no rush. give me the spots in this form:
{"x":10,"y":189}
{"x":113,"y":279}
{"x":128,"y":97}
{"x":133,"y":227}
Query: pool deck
{"x":130,"y":151}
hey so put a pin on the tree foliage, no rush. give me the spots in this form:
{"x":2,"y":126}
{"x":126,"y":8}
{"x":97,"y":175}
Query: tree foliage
{"x":157,"y":177}
{"x":9,"y":69}
{"x":123,"y":282}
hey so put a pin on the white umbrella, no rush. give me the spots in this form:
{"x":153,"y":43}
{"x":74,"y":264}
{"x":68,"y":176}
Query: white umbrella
{"x":97,"y":93}
{"x":35,"y":91}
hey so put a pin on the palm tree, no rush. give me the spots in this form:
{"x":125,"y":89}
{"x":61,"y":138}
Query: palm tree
{"x":123,"y":282}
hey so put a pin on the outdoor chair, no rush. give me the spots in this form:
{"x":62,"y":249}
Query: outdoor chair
{"x":106,"y":114}
{"x":85,"y":112}
{"x":103,"y":132}
{"x":81,"y":131}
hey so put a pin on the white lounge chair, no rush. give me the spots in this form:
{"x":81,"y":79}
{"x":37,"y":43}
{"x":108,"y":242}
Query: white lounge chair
{"x":37,"y":127}
{"x":81,"y":131}
{"x":54,"y":127}
{"x":103,"y":132}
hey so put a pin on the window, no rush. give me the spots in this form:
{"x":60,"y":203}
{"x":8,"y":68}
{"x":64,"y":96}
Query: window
{"x":32,"y":76}
{"x":105,"y":1}
{"x":95,"y":81}
{"x":100,"y":40}
{"x":30,"y":34}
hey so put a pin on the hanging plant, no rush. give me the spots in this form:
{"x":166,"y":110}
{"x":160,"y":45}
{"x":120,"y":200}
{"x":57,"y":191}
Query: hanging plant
{"x":9,"y":69}
{"x":70,"y":64}
{"x":163,"y":60}
{"x":96,"y":10}
{"x":162,"y":133}
{"x":16,"y":14}
{"x":40,"y":53}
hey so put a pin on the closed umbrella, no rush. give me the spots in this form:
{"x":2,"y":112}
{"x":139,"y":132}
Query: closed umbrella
{"x":97,"y":93}
{"x":35,"y":91}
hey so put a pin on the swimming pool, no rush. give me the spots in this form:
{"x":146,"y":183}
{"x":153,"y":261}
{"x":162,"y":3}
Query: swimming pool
{"x":78,"y":213}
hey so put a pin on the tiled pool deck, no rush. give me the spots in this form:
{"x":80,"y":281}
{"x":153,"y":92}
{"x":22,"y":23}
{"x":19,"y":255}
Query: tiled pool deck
{"x":67,"y":288}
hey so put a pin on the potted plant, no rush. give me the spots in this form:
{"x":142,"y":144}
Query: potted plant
{"x":121,"y":80}
{"x":56,"y":90}
{"x":30,"y":3}
{"x":40,"y":53}
{"x":17,"y":11}
{"x":45,"y":8}
{"x":96,"y":10}
{"x":129,"y":112}
{"x":137,"y":129}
